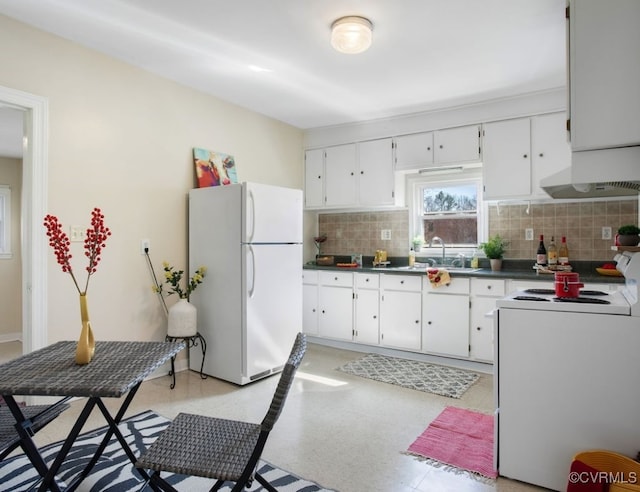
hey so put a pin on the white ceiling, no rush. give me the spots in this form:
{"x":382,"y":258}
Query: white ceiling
{"x":426,"y":54}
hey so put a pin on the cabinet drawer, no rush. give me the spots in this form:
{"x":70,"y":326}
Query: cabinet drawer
{"x":339,"y":279}
{"x":487,"y":287}
{"x":401,"y":282}
{"x":457,"y":286}
{"x":367,"y":280}
{"x":309,"y":276}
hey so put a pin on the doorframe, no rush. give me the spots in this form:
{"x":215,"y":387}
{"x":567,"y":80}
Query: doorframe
{"x":33,"y":244}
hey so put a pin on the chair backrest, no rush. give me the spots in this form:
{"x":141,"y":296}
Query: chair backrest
{"x":284,"y":384}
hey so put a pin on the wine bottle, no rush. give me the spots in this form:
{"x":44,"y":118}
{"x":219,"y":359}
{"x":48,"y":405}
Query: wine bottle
{"x":563,"y":252}
{"x":552,"y":253}
{"x":541,"y":254}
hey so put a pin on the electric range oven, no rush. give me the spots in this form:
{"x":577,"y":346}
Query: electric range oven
{"x":566,"y":377}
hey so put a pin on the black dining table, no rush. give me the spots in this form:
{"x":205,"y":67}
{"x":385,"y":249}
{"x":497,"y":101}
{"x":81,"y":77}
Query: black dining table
{"x":116,"y":371}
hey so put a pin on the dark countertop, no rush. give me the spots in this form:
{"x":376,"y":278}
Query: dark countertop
{"x":511,"y":269}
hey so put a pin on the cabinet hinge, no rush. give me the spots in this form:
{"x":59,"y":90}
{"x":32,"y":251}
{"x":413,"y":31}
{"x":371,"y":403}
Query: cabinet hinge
{"x":393,"y":194}
{"x":566,"y":12}
{"x":353,"y":295}
{"x":469,"y":348}
{"x":568,"y":125}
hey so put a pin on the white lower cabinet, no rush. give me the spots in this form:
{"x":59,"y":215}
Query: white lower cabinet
{"x":400,"y":311}
{"x":367,"y":308}
{"x":445,"y":318}
{"x":310,"y":302}
{"x":484,"y":294}
{"x":335,"y":303}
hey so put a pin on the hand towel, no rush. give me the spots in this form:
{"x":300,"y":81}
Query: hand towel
{"x":438,"y":277}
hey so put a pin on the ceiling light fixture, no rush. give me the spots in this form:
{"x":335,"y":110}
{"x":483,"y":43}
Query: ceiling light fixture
{"x":351,"y":34}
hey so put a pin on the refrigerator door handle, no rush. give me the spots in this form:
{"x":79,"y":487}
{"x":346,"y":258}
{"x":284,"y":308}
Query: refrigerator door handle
{"x":253,"y":270}
{"x":251,"y":216}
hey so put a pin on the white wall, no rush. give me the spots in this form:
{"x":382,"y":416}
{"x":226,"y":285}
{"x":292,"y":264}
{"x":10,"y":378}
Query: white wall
{"x":10,"y":298}
{"x":121,"y":139}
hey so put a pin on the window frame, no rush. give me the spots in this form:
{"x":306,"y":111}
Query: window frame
{"x":5,"y":222}
{"x":415,"y":184}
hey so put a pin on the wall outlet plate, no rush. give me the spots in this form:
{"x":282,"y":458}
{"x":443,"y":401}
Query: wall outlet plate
{"x":385,"y":234}
{"x":144,"y":244}
{"x":606,"y":233}
{"x":528,"y":234}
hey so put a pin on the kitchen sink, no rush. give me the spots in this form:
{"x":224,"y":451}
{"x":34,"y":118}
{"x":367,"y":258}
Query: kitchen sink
{"x":422,"y":268}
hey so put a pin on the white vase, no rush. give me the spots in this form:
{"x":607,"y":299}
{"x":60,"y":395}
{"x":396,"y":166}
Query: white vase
{"x":183,"y":319}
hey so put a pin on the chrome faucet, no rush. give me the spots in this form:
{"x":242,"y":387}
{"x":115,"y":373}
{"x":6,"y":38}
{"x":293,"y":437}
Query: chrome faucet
{"x":436,"y":238}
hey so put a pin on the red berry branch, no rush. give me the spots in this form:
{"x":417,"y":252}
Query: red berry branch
{"x":94,"y":242}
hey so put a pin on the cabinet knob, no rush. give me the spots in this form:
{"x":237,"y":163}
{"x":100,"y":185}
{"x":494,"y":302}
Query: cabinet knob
{"x":319,"y":177}
{"x":366,"y":279}
{"x":488,"y":287}
{"x":323,"y":311}
{"x":351,"y":173}
{"x":374,"y":316}
{"x":541,"y":154}
{"x":402,"y":281}
{"x":525,"y":156}
{"x":313,"y":310}
{"x":478,"y":328}
{"x":361,"y":172}
{"x":428,"y":322}
{"x":335,"y":278}
{"x":417,"y":321}
{"x":428,"y":148}
{"x":441,"y":146}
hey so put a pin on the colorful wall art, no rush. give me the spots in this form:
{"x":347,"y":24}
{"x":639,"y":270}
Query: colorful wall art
{"x":214,"y":168}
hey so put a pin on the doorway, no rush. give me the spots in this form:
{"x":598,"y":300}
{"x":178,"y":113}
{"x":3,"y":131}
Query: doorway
{"x":33,"y":206}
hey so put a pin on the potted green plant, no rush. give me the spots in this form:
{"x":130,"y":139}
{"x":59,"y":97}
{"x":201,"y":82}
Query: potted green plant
{"x":628,"y":235}
{"x":494,"y":249}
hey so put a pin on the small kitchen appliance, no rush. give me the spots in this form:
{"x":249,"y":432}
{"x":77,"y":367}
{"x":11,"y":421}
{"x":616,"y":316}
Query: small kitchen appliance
{"x":566,"y":373}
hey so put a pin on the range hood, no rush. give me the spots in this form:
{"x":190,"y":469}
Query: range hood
{"x":596,"y":174}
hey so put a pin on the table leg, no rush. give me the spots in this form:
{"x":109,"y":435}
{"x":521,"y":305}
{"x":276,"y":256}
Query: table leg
{"x":27,"y":444}
{"x":191,"y":342}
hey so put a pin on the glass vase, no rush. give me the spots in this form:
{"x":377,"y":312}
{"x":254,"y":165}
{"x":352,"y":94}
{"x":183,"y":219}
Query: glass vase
{"x":86,"y":344}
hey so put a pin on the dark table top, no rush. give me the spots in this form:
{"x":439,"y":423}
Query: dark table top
{"x":115,"y":368}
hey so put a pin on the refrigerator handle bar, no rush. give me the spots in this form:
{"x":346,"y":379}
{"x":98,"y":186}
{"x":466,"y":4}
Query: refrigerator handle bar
{"x":253,"y":271}
{"x":251,"y":216}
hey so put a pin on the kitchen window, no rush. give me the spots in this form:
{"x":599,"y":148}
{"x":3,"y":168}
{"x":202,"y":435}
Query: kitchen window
{"x":5,"y":221}
{"x":448,"y":206}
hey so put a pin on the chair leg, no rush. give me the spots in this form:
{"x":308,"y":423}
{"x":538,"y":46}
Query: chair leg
{"x":264,"y":483}
{"x":216,"y":486}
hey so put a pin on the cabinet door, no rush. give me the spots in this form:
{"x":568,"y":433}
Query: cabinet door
{"x":506,"y":167}
{"x":400,"y":319}
{"x":340,"y":175}
{"x":446,"y":324}
{"x":604,"y":78}
{"x":313,"y":178}
{"x":310,"y":309}
{"x":457,"y":145}
{"x":550,"y":149}
{"x":481,"y":334}
{"x":336,"y":312}
{"x":367,"y":320}
{"x":375,"y":172}
{"x":413,"y":152}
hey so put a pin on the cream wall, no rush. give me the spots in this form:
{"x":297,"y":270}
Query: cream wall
{"x":10,"y":298}
{"x":121,"y":139}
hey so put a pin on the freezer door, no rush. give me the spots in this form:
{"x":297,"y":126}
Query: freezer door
{"x":273,"y":298}
{"x":272,"y":214}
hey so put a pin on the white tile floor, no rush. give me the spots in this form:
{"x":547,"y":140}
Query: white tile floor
{"x":342,"y":431}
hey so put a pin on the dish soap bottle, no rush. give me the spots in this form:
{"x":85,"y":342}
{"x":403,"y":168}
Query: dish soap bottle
{"x":475,"y":262}
{"x":412,"y":258}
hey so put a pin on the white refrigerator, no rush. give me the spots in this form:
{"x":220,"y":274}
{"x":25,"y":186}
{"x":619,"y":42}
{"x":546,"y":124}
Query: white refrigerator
{"x":249,"y":237}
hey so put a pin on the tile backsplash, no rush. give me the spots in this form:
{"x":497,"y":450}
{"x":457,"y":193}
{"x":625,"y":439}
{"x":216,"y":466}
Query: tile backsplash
{"x":581,"y":222}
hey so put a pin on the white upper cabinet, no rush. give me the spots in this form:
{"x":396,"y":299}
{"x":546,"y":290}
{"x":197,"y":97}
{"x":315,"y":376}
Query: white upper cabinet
{"x":604,"y":49}
{"x":340,"y":175}
{"x":375,"y":172}
{"x":550,"y":149}
{"x":518,"y":153}
{"x":350,"y":175}
{"x":413,"y":151}
{"x":506,"y":150}
{"x":457,"y":145}
{"x":314,"y":178}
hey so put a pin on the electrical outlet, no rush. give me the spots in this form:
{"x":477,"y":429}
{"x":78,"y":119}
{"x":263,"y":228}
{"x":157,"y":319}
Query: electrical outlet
{"x":385,"y":234}
{"x":606,"y":233}
{"x":145,"y":244}
{"x":77,"y":234}
{"x":528,"y":234}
